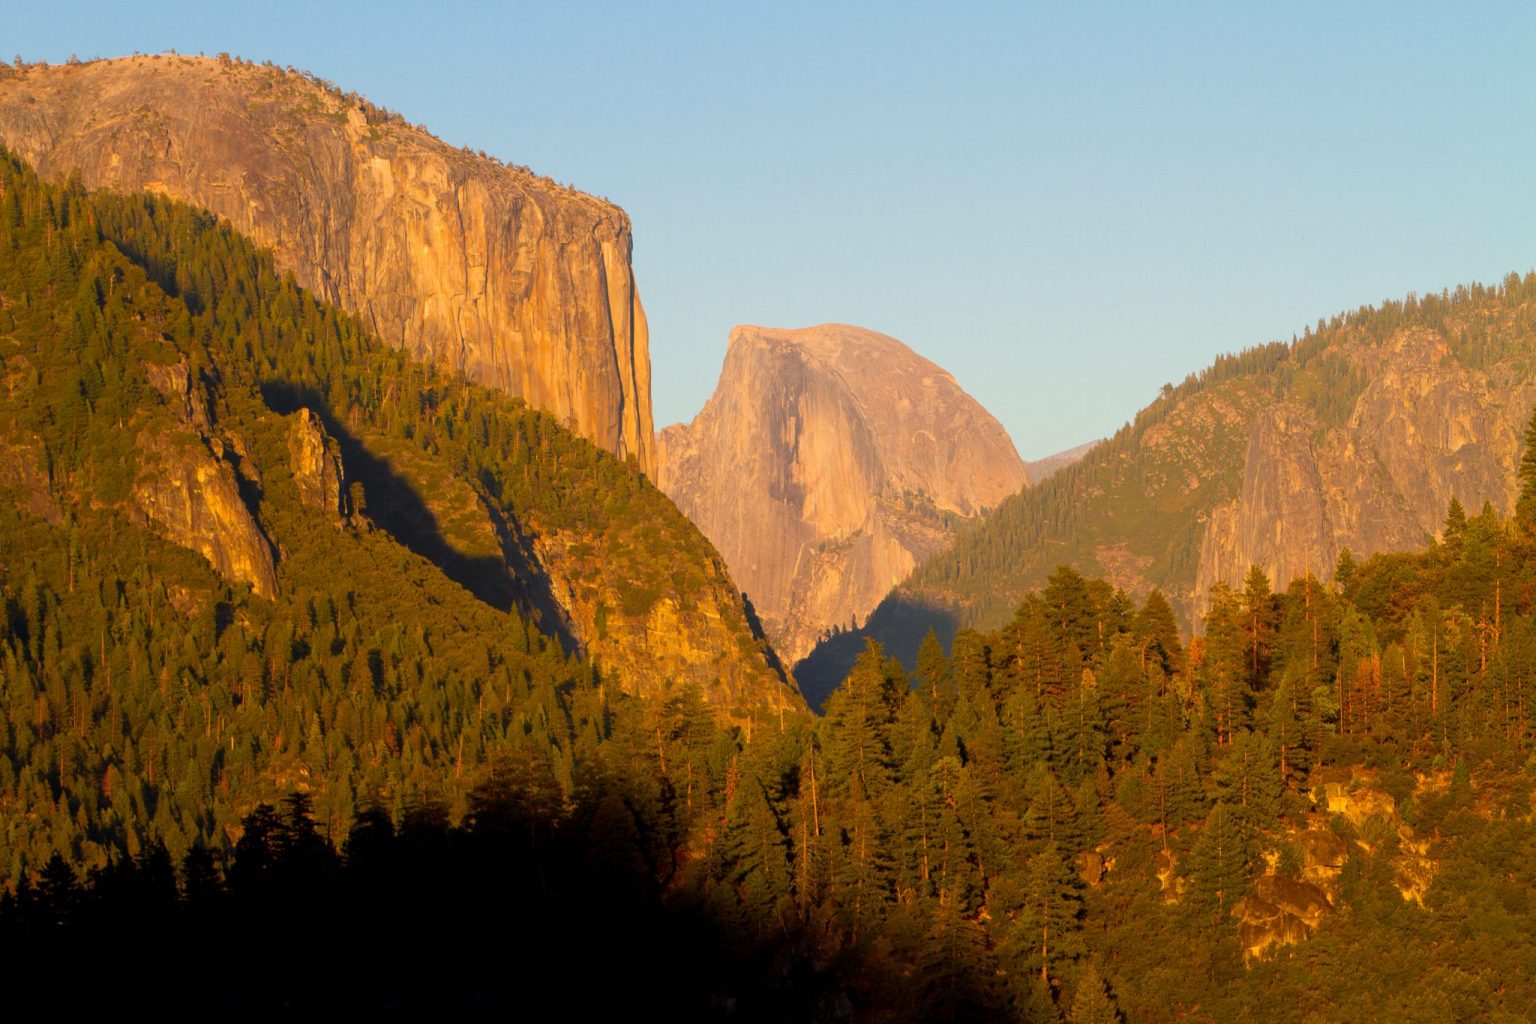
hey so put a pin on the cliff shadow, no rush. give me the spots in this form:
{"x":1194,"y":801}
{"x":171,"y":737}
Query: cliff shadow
{"x":898,"y":624}
{"x":759,"y":634}
{"x":394,"y":505}
{"x":533,"y":589}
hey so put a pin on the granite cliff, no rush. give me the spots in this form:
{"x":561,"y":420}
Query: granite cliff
{"x":188,"y":485}
{"x":488,"y":269}
{"x":829,"y":462}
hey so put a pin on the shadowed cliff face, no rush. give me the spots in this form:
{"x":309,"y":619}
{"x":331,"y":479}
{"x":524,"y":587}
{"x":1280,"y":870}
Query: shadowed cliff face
{"x":829,"y":462}
{"x":518,"y":283}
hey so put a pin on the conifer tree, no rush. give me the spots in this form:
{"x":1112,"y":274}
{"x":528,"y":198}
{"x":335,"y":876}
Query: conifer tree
{"x":1181,"y":795}
{"x":1218,"y":863}
{"x":1053,"y":908}
{"x":1226,"y":667}
{"x":1289,"y":714}
{"x":755,"y":849}
{"x":1525,"y":504}
{"x":1092,"y":1003}
{"x":1157,"y":633}
{"x":1455,"y":527}
{"x":1260,"y":623}
{"x":934,"y":679}
{"x":956,"y":970}
{"x":1248,"y":779}
{"x":857,"y":726}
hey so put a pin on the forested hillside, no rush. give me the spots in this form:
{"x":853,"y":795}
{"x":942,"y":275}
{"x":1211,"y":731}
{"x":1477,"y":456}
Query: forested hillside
{"x":1354,"y":436}
{"x":247,"y":548}
{"x":1319,"y":810}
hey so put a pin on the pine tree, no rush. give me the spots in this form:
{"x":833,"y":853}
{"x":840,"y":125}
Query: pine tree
{"x":1092,"y":1003}
{"x":1052,"y":818}
{"x":755,"y":849}
{"x":1289,"y":712}
{"x":1180,"y":792}
{"x":956,"y":971}
{"x":1455,"y":527}
{"x":1053,"y":908}
{"x":1074,"y":616}
{"x":934,"y":680}
{"x":857,"y":726}
{"x":1219,"y":863}
{"x":1525,"y":504}
{"x":1248,"y":779}
{"x":1122,"y":695}
{"x":1260,"y":624}
{"x":1226,"y":668}
{"x":1157,"y":633}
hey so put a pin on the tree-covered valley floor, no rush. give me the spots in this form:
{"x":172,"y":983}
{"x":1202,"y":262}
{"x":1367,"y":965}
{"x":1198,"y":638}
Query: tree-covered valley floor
{"x":380,"y":794}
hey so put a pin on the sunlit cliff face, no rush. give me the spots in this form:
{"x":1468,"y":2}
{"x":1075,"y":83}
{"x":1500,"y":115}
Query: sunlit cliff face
{"x":519,"y":283}
{"x":829,"y":462}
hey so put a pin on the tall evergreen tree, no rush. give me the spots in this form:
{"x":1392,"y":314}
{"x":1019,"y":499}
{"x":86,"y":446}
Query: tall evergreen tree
{"x":1525,"y":503}
{"x":1218,"y":863}
{"x":1092,"y":1003}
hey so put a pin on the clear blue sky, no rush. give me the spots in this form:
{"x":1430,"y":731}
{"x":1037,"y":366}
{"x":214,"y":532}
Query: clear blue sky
{"x":1065,"y":206}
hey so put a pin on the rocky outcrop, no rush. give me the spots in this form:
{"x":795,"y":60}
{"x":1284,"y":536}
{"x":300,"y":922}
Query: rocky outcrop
{"x":316,"y":462}
{"x":194,"y":500}
{"x":1413,"y":868}
{"x":186,"y":395}
{"x":1356,"y":801}
{"x":659,"y":643}
{"x":829,"y":462}
{"x":1323,"y":853}
{"x":1424,"y":429}
{"x":1280,"y":912}
{"x":502,"y":275}
{"x":23,"y":467}
{"x":188,"y":484}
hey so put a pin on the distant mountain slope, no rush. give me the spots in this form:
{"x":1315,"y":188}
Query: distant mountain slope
{"x":829,"y":462}
{"x":1355,"y":436}
{"x":1040,"y":469}
{"x":488,"y":269}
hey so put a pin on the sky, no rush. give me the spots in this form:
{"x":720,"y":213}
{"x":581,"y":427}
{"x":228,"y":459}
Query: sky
{"x":1064,"y":205}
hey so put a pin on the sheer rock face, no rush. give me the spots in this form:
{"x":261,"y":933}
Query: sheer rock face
{"x":188,"y":485}
{"x":1425,"y":428}
{"x":194,"y":500}
{"x":828,"y":462}
{"x":317,"y":469}
{"x":517,"y":282}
